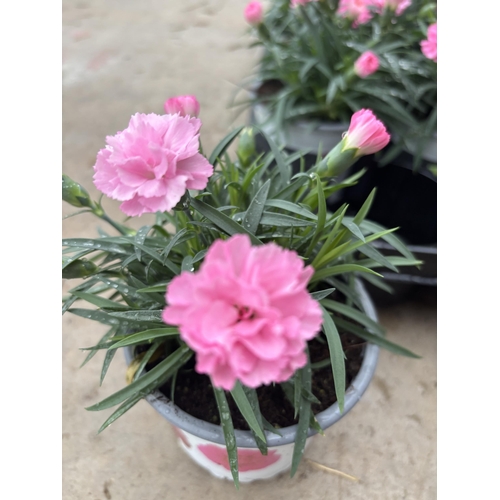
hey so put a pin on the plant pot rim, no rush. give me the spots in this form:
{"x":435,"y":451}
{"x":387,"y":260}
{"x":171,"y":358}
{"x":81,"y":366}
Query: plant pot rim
{"x":245,"y":439}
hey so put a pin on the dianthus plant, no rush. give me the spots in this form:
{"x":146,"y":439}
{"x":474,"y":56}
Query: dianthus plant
{"x":237,"y":269}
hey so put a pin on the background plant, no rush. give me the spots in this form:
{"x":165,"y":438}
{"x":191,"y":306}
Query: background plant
{"x":311,"y":51}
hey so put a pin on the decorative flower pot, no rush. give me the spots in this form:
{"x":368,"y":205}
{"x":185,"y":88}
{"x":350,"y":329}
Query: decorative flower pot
{"x":204,"y":442}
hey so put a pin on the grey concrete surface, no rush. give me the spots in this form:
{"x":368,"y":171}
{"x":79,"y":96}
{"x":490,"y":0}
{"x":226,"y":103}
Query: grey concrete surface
{"x":120,"y":57}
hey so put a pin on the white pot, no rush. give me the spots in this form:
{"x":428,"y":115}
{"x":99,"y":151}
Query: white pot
{"x":204,"y":442}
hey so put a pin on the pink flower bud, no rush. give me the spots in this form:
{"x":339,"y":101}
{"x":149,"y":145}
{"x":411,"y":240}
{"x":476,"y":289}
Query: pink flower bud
{"x":254,"y":13}
{"x":397,"y":6}
{"x":366,"y":133}
{"x":429,"y":46}
{"x":186,"y":105}
{"x":366,"y":64}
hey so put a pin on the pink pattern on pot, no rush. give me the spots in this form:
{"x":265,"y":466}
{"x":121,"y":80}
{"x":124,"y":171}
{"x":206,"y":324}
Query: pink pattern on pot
{"x":248,"y":459}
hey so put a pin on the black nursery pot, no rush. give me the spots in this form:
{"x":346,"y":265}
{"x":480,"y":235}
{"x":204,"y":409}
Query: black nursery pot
{"x":405,"y":199}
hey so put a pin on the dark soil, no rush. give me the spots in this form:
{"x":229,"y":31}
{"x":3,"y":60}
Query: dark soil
{"x":194,"y":393}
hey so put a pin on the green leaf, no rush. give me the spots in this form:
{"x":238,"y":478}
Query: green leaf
{"x":374,"y":339}
{"x":365,"y":208}
{"x":222,"y":221}
{"x":341,"y":269}
{"x":139,"y":238}
{"x":146,"y":336}
{"x":111,"y":332}
{"x":99,"y":301}
{"x":101,"y":316}
{"x":321,"y":215}
{"x":336,"y":356}
{"x":79,"y":268}
{"x":354,"y":229}
{"x":304,"y":419}
{"x":228,"y":430}
{"x":140,"y":316}
{"x":160,"y":288}
{"x":152,"y":379}
{"x":291,"y":207}
{"x":256,"y":208}
{"x":156,"y":257}
{"x":145,"y":359}
{"x":254,"y":403}
{"x":322,"y":294}
{"x":101,"y":245}
{"x":283,"y":168}
{"x":178,"y":238}
{"x":220,"y":149}
{"x":105,"y":365}
{"x":392,"y":239}
{"x":282,"y":220}
{"x":246,"y":410}
{"x":379,"y":283}
{"x":121,"y":410}
{"x":354,"y":314}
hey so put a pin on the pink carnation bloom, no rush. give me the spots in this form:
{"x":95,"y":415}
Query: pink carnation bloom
{"x":246,"y":313}
{"x":253,"y":13}
{"x":429,"y":46}
{"x":356,"y":10}
{"x":151,"y":163}
{"x":186,"y":105}
{"x":366,"y":64}
{"x":366,"y":133}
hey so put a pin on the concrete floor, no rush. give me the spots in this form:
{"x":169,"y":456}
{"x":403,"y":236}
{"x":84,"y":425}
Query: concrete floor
{"x":120,"y":57}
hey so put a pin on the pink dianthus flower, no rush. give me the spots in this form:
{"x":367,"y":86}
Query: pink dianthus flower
{"x":398,"y":6}
{"x":246,"y":312}
{"x":253,"y":13}
{"x":429,"y":46}
{"x":151,"y":164}
{"x":186,"y":105}
{"x":358,"y":11}
{"x":366,"y":133}
{"x":366,"y":64}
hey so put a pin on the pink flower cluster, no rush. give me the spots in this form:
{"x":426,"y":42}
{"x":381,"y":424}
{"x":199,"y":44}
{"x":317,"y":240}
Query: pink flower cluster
{"x":246,"y":312}
{"x":254,"y":13}
{"x":185,"y":105}
{"x":366,"y":133}
{"x":151,"y":163}
{"x":366,"y":64}
{"x":429,"y":46}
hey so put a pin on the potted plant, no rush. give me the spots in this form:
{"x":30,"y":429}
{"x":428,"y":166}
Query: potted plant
{"x":323,"y":60}
{"x":241,"y":310}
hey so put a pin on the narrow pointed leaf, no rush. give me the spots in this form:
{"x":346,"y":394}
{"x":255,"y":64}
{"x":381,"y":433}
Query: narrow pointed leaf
{"x":146,"y":336}
{"x":159,"y":374}
{"x":336,"y":356}
{"x":228,"y":431}
{"x":246,"y":410}
{"x":354,"y":314}
{"x":222,"y":221}
{"x":255,"y":210}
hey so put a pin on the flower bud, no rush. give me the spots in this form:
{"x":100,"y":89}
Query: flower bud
{"x":80,"y":268}
{"x":74,"y":194}
{"x":366,"y":64}
{"x":254,"y":13}
{"x":186,"y":105}
{"x":246,"y":145}
{"x":366,"y":134}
